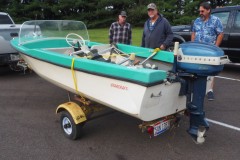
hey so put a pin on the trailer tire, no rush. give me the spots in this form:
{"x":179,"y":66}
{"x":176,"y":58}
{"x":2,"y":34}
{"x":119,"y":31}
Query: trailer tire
{"x":170,"y":48}
{"x":70,"y":129}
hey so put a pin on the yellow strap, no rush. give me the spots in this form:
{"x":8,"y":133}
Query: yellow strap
{"x":75,"y":79}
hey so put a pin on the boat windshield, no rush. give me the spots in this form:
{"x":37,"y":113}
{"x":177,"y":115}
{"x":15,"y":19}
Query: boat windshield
{"x":48,"y":29}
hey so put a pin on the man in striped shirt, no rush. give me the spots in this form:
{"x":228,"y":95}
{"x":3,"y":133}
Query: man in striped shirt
{"x":120,"y":31}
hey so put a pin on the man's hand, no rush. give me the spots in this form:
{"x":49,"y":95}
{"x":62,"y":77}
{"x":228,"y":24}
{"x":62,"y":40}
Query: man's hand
{"x":193,"y":36}
{"x":219,"y":39}
{"x":162,"y":47}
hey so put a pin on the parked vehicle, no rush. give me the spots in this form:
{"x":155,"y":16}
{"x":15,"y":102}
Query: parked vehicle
{"x":230,"y":17}
{"x":8,"y":55}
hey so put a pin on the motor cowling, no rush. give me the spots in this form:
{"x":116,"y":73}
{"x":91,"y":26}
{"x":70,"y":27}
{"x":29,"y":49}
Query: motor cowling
{"x":200,"y":58}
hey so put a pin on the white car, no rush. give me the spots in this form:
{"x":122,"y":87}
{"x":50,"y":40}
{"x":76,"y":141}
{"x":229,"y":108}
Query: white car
{"x":8,"y":30}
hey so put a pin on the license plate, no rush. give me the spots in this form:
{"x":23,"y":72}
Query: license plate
{"x":161,"y":127}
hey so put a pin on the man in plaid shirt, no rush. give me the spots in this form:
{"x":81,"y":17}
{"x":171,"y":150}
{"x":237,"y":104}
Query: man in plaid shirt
{"x":120,"y":31}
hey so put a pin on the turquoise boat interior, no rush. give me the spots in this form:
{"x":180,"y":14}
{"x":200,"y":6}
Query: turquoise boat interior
{"x":62,"y":42}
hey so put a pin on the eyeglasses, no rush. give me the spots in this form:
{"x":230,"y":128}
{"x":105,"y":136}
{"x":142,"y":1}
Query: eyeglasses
{"x":201,"y":11}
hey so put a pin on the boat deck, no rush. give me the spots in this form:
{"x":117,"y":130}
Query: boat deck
{"x":58,"y":52}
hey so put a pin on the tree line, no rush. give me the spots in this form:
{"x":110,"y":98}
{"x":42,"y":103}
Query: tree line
{"x":101,"y":13}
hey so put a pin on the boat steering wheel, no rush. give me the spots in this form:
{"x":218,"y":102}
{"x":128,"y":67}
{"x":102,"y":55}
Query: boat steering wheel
{"x":72,"y":39}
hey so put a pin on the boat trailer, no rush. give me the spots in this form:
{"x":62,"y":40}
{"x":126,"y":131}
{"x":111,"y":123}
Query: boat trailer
{"x":191,"y":68}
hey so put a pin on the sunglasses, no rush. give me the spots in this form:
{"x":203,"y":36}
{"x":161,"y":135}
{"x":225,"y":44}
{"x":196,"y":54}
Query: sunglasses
{"x":201,"y":11}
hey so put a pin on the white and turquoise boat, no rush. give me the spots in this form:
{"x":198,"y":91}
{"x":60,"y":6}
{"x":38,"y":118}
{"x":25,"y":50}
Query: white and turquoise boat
{"x":151,"y":85}
{"x":60,"y":52}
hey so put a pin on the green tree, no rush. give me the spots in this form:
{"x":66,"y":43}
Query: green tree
{"x":4,"y":4}
{"x":101,"y":13}
{"x":234,"y":2}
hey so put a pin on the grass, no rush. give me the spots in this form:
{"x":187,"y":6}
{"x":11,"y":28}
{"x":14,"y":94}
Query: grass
{"x":101,"y":35}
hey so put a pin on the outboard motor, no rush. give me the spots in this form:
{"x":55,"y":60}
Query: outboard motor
{"x":194,"y":62}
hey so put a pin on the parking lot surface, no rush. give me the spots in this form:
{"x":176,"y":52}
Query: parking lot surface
{"x":30,"y":129}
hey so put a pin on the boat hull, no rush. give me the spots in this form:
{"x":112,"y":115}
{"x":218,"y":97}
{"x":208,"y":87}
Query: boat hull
{"x":142,"y":102}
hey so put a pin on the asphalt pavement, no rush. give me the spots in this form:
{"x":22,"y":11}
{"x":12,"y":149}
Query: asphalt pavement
{"x":30,"y":129}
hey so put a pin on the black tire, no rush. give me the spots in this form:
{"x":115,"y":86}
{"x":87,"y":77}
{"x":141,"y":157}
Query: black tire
{"x":170,"y":48}
{"x":70,"y":129}
{"x":14,"y":67}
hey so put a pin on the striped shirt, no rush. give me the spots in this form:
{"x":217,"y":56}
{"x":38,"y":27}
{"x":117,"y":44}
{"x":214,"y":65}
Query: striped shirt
{"x":120,"y":33}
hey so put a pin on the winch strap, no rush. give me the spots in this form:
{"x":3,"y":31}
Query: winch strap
{"x":75,"y":79}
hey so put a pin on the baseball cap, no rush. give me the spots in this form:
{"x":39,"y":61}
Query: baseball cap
{"x":123,"y":13}
{"x":152,"y":6}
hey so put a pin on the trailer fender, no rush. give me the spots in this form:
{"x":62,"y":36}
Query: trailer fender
{"x":74,"y":109}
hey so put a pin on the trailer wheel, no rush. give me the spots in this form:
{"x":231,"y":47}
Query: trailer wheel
{"x":71,"y":130}
{"x":170,"y":48}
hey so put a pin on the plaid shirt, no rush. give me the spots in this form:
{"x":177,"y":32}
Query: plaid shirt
{"x":120,"y":34}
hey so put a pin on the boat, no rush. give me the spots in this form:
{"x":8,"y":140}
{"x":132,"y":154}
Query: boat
{"x":137,"y":81}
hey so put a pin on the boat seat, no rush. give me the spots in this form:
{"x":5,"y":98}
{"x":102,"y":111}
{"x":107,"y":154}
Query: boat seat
{"x":101,"y":47}
{"x":64,"y":50}
{"x":85,"y":48}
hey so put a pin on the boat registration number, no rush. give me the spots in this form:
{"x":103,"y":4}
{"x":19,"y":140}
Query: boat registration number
{"x":161,"y":127}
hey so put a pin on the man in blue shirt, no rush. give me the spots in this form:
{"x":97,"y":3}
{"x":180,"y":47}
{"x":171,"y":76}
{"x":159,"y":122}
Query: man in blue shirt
{"x":207,"y":29}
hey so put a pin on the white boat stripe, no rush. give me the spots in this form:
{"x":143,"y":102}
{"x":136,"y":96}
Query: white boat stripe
{"x":223,"y":124}
{"x":228,"y":78}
